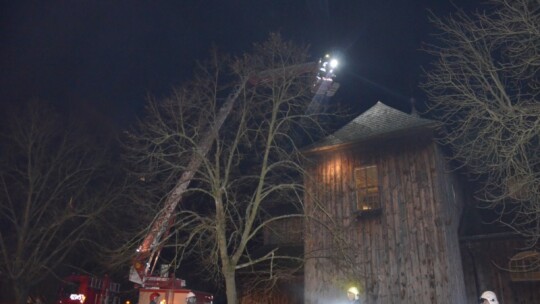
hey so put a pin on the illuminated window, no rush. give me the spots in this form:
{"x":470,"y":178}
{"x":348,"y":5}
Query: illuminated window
{"x":367,"y":188}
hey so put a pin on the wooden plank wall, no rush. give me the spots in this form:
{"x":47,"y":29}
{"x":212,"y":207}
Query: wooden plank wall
{"x":485,"y":265}
{"x":409,"y":254}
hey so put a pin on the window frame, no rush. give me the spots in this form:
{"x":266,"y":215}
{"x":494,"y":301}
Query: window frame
{"x":373,"y":205}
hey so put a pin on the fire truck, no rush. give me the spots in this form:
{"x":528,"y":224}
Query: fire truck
{"x":85,"y":289}
{"x":166,"y":289}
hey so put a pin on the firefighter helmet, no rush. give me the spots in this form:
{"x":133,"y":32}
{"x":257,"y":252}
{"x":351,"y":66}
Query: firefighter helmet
{"x":153,"y":296}
{"x":354,"y":291}
{"x":490,"y":297}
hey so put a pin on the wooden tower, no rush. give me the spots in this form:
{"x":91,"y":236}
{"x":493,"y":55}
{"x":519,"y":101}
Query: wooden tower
{"x":383,"y":213}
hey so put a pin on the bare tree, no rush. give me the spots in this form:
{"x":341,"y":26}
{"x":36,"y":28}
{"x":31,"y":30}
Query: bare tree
{"x":48,"y":172}
{"x":253,"y":163}
{"x":484,"y":86}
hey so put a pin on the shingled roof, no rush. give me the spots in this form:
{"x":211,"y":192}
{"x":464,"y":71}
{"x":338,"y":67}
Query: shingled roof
{"x":378,"y":121}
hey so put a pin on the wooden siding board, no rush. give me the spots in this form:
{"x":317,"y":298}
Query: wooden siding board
{"x":364,"y":258}
{"x":428,"y":227}
{"x":413,"y":264}
{"x":377,"y":250}
{"x":326,"y":203}
{"x":393,"y":239}
{"x":401,"y":228}
{"x":376,"y":253}
{"x":385,"y":232}
{"x":343,"y":208}
{"x":333,"y":186}
{"x":407,"y":170}
{"x":443,"y":250}
{"x":419,"y":233}
{"x":441,"y":278}
{"x":371,"y":272}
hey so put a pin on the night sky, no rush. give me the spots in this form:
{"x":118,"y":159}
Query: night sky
{"x":110,"y":55}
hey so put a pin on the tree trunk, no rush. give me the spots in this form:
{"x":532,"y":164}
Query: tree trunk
{"x":20,"y":292}
{"x":230,"y":285}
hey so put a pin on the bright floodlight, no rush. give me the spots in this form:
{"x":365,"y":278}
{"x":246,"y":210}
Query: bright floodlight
{"x":334,"y":63}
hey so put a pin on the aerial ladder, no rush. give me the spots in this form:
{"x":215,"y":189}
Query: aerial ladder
{"x":148,"y":252}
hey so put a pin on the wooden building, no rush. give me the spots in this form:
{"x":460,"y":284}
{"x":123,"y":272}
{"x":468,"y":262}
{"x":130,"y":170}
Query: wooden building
{"x":384,"y":212}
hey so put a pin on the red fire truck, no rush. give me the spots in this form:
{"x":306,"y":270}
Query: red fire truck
{"x":85,"y":289}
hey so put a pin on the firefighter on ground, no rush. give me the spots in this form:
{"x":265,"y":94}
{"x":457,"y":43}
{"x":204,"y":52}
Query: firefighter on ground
{"x":190,"y":298}
{"x":488,"y":297}
{"x":353,"y":295}
{"x":153,"y":298}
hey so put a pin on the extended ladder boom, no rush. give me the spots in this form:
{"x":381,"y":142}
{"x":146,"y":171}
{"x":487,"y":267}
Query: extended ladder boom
{"x":150,"y":246}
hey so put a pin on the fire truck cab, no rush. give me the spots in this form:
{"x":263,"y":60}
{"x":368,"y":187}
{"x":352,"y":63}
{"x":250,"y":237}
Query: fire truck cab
{"x":85,"y":289}
{"x":164,"y":290}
